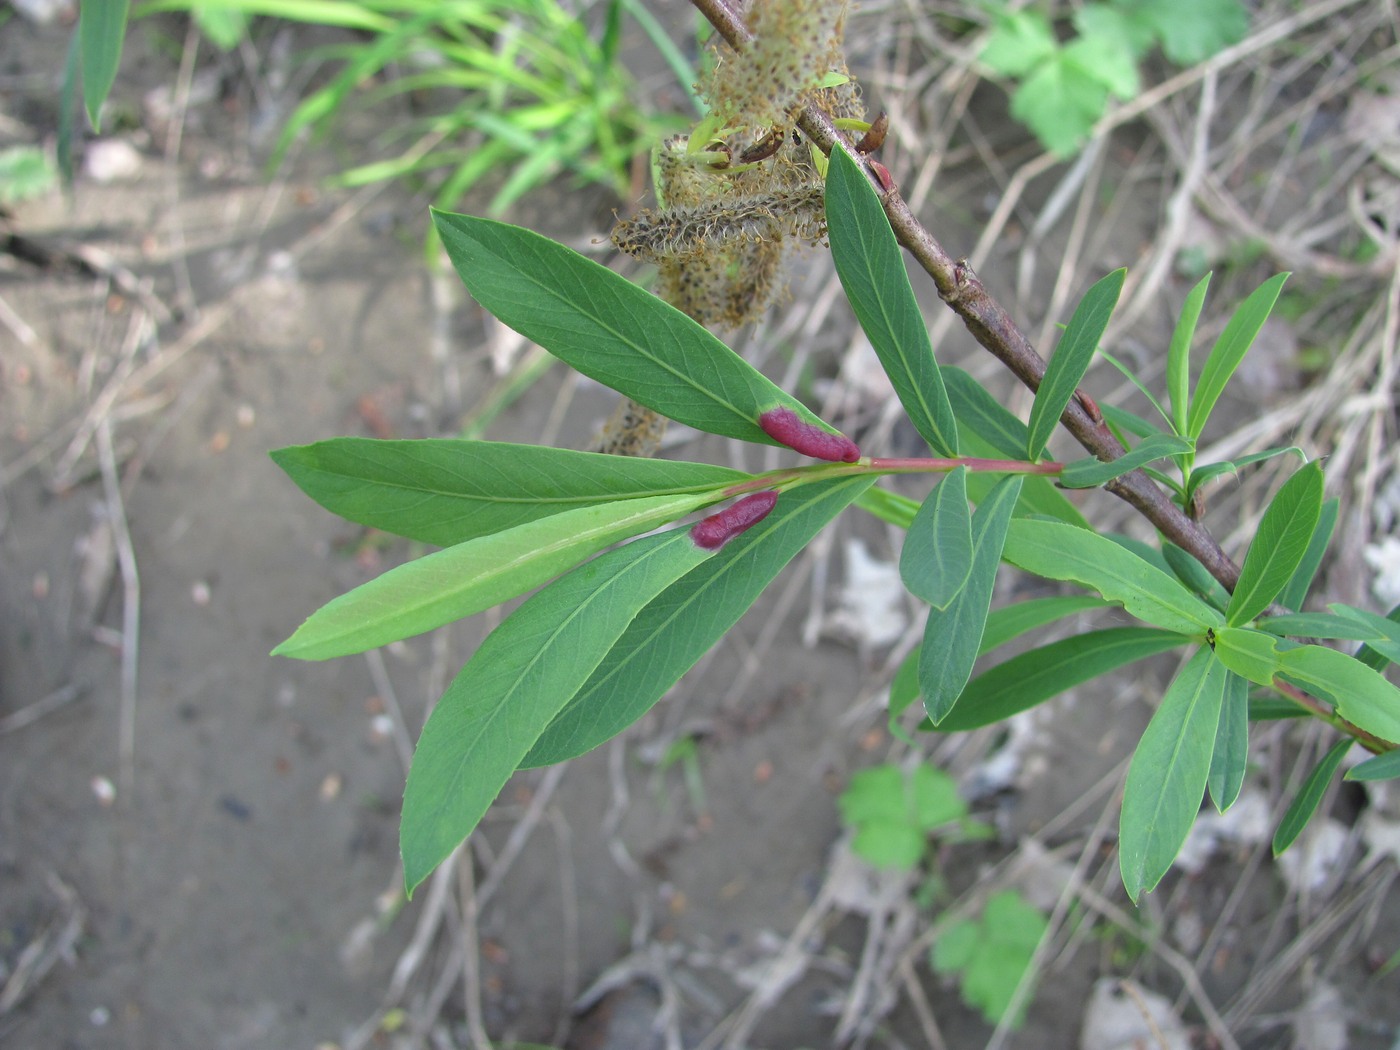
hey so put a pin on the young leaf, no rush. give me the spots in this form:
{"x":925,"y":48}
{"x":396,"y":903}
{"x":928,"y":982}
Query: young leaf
{"x":684,"y":622}
{"x":1229,"y":351}
{"x":1167,"y":774}
{"x":450,"y":584}
{"x":1086,"y":473}
{"x":1278,"y":546}
{"x":522,"y":675}
{"x":1071,"y":359}
{"x":953,"y":636}
{"x":1012,"y":621}
{"x":1063,"y":552}
{"x":1363,"y":696}
{"x":444,"y":491}
{"x":1309,"y":796}
{"x":1200,"y":475}
{"x":937,"y":554}
{"x":1038,"y":675}
{"x":1179,"y":354}
{"x":1231,"y":754}
{"x":102,"y":29}
{"x":1296,"y":589}
{"x":1381,"y":767}
{"x":606,"y":327}
{"x":871,"y":268}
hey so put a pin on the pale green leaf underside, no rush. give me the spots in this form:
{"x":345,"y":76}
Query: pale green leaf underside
{"x":937,"y":554}
{"x":1231,"y":754}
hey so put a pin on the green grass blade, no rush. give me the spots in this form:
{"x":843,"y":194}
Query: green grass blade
{"x":1309,"y":797}
{"x":936,"y":558}
{"x":524,"y":673}
{"x":1381,"y":767}
{"x":1231,"y":753}
{"x":1073,"y":354}
{"x":1087,"y":473}
{"x":1295,"y":591}
{"x":1229,"y":351}
{"x":610,"y":330}
{"x":871,"y":269}
{"x":1179,"y":354}
{"x":1167,"y":774}
{"x":102,"y":31}
{"x":1279,"y":545}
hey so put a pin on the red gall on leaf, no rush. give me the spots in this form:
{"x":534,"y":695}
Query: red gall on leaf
{"x":714,"y":532}
{"x":783,"y":426}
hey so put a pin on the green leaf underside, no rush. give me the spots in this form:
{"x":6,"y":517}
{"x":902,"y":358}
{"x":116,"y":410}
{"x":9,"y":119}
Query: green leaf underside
{"x":1012,"y":621}
{"x":871,"y":268}
{"x":445,"y":491}
{"x":953,"y":636}
{"x":684,"y":622}
{"x":1382,"y":767}
{"x":1041,"y":674}
{"x":1231,"y":753}
{"x":101,"y":30}
{"x":1167,"y":774}
{"x":1309,"y":797}
{"x":1296,"y":590}
{"x":1229,"y":351}
{"x":604,"y":326}
{"x":1279,"y":545}
{"x":1179,"y":353}
{"x":1362,"y":695}
{"x":1073,"y":354}
{"x":1086,"y":473}
{"x":1202,"y":474}
{"x":1063,"y":552}
{"x":522,"y":675}
{"x":936,"y":558}
{"x":457,"y":582}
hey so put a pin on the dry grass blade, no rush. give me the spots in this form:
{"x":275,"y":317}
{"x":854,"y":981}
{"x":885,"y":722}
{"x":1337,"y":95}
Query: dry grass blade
{"x":55,"y":944}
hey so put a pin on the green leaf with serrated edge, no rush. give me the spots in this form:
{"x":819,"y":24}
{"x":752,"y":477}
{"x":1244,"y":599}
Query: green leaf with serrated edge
{"x":444,"y":491}
{"x":684,"y":622}
{"x":1038,"y":675}
{"x":936,"y":558}
{"x":523,"y":674}
{"x":1012,"y":621}
{"x":1250,"y":654}
{"x":1179,"y":354}
{"x":982,"y":414}
{"x":1072,"y":357}
{"x":1317,"y":625}
{"x":450,"y":584}
{"x":1167,"y":774}
{"x":1191,"y":572}
{"x":610,"y":330}
{"x":1384,"y":641}
{"x":1209,"y":471}
{"x":871,"y":268}
{"x":1275,"y":709}
{"x":1309,"y":797}
{"x":1231,"y":753}
{"x":1381,"y":767}
{"x":102,"y":29}
{"x":1229,"y":351}
{"x":1278,"y":545}
{"x":1295,"y":591}
{"x":1086,"y":473}
{"x":1020,"y":41}
{"x":1373,"y":658}
{"x":1362,"y":696}
{"x":953,"y":636}
{"x":1062,"y":552}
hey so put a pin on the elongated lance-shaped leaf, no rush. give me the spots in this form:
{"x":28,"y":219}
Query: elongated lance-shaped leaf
{"x":1278,"y":546}
{"x":101,"y":30}
{"x":686,"y":620}
{"x":1167,"y":774}
{"x":1063,"y":552}
{"x":1363,"y":696}
{"x":1086,"y":473}
{"x":1229,"y":351}
{"x":450,"y":584}
{"x":937,"y":554}
{"x":524,"y":673}
{"x":1295,"y":591}
{"x":444,"y":490}
{"x":953,"y":636}
{"x":1318,"y":625}
{"x":1041,"y":674}
{"x":1381,"y":767}
{"x":1207,"y":472}
{"x":1383,"y":646}
{"x":871,"y":268}
{"x":1231,"y":754}
{"x":610,"y":330}
{"x":981,"y":413}
{"x":1073,"y":354}
{"x":1179,"y":354}
{"x":1012,"y":621}
{"x":1309,"y":797}
{"x":1191,"y":572}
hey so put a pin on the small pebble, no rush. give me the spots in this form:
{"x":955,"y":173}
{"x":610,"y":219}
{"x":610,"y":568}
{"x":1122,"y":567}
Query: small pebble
{"x":111,"y":160}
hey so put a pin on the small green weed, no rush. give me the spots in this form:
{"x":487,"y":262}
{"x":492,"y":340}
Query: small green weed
{"x":991,"y":955}
{"x":894,"y":813}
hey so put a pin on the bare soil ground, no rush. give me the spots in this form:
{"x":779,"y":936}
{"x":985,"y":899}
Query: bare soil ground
{"x":198,"y":844}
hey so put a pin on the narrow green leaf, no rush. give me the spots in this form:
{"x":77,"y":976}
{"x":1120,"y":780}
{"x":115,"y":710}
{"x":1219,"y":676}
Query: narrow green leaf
{"x":1202,"y":474}
{"x":1363,"y":696}
{"x":450,"y":584}
{"x":1167,"y":774}
{"x":890,"y":507}
{"x":1317,"y":625}
{"x":1383,"y":645}
{"x":1278,"y":546}
{"x":444,"y":491}
{"x":1062,"y":552}
{"x":610,"y":330}
{"x":1038,"y":675}
{"x":1231,"y":754}
{"x":102,"y":30}
{"x":522,"y":675}
{"x":1071,"y":359}
{"x":1086,"y":473}
{"x":953,"y":636}
{"x":685,"y":621}
{"x":1179,"y":354}
{"x":1229,"y":351}
{"x":904,"y":690}
{"x":1123,"y":422}
{"x":1191,"y":572}
{"x":1251,"y":654}
{"x":1275,"y":709}
{"x":871,"y":268}
{"x":1381,"y":767}
{"x":981,"y":413}
{"x":1375,"y":659}
{"x":937,"y":555}
{"x":1309,"y":797}
{"x":1012,"y":621}
{"x":1295,"y":591}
